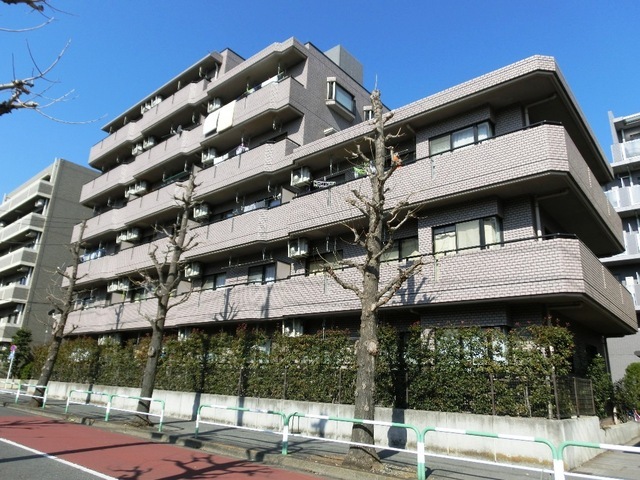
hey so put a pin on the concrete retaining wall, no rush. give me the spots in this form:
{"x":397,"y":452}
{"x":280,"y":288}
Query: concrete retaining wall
{"x":587,"y":429}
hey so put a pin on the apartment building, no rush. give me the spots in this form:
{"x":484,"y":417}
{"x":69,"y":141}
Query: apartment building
{"x":36,"y":221}
{"x":505,"y":170}
{"x":624,"y":194}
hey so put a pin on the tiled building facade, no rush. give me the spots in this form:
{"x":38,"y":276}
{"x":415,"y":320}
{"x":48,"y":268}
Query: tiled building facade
{"x":624,"y":194}
{"x":505,"y":170}
{"x":36,"y":221}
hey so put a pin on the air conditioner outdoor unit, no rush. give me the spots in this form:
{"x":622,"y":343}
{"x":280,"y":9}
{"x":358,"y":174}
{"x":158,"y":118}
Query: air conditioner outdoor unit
{"x":298,"y":248}
{"x":213,"y":104}
{"x":113,"y":286}
{"x":292,"y":328}
{"x":300,"y":177}
{"x":139,"y":187}
{"x":148,"y":142}
{"x":208,"y":156}
{"x":192,"y":269}
{"x":201,"y":212}
{"x":109,"y":338}
{"x":133,"y":234}
{"x":137,"y":149}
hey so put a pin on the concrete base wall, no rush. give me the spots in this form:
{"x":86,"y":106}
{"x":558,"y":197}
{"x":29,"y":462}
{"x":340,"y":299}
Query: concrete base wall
{"x":586,"y":429}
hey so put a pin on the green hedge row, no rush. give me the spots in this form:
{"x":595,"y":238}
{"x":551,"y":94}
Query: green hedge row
{"x":459,"y":370}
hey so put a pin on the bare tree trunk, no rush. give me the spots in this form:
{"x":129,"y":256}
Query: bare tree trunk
{"x":153,"y":356}
{"x":63,"y":307}
{"x":166,"y":282}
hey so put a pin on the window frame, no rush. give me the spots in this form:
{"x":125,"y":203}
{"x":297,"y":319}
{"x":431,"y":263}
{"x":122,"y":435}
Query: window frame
{"x":448,"y":137}
{"x":336,"y":100}
{"x":321,"y":259}
{"x":263,"y":270}
{"x":214,"y":278}
{"x":483,"y":223}
{"x":396,"y":251}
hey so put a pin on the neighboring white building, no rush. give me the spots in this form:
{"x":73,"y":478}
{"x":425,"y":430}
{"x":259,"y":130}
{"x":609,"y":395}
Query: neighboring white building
{"x":36,"y":221}
{"x":624,"y":194}
{"x":504,"y":167}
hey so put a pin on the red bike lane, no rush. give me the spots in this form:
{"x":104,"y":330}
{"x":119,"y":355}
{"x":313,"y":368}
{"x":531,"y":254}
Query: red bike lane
{"x":125,"y":457}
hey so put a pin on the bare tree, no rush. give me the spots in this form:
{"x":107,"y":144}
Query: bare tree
{"x":375,"y":237}
{"x":162,"y":284}
{"x":62,"y":307}
{"x":37,"y":5}
{"x":29,"y":92}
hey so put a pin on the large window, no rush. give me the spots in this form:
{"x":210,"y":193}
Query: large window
{"x":460,"y":138}
{"x":317,"y":262}
{"x":402,"y":248}
{"x":261,"y":274}
{"x":470,"y":235}
{"x":342,"y":97}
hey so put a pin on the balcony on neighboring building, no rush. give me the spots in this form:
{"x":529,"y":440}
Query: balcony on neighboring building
{"x":19,"y":200}
{"x":626,"y":152}
{"x":22,"y":257}
{"x":14,"y":293}
{"x":34,"y":222}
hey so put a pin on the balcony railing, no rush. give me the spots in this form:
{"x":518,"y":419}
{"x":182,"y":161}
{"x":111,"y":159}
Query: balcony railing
{"x":23,"y":256}
{"x":624,"y":197}
{"x":560,"y":265}
{"x":13,"y":293}
{"x":37,"y":189}
{"x":33,"y":221}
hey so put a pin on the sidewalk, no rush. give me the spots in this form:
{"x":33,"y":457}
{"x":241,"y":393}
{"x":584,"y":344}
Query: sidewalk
{"x":315,"y":456}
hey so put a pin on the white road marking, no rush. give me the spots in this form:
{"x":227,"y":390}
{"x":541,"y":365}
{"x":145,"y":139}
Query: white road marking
{"x":65,"y":462}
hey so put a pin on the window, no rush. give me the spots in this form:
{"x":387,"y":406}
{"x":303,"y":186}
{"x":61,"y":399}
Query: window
{"x":341,"y":96}
{"x":262,"y":274}
{"x":470,"y":235}
{"x":401,"y":248}
{"x":367,"y":113}
{"x":317,"y":262}
{"x":214,"y":281}
{"x":460,"y":138}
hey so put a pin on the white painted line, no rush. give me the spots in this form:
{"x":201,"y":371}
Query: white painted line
{"x":65,"y":462}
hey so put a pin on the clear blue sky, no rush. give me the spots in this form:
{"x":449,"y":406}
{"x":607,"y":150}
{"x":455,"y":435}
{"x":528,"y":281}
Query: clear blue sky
{"x":121,"y":50}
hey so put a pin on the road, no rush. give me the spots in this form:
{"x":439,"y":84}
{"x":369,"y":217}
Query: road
{"x":34,"y":447}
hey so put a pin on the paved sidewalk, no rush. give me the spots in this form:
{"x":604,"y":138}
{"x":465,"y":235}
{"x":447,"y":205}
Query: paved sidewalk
{"x":322,"y":457}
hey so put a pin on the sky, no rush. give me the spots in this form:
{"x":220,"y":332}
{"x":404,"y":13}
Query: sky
{"x":122,"y":50}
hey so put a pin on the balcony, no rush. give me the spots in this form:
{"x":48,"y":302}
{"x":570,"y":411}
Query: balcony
{"x":627,"y":152}
{"x":558,"y":272}
{"x":24,"y":256}
{"x":41,"y":188}
{"x":192,"y":94}
{"x":33,"y":221}
{"x":266,"y":158}
{"x":625,"y":198}
{"x":13,"y":294}
{"x":112,"y":183}
{"x":549,"y":165}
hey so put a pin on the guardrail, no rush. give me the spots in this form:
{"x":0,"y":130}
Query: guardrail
{"x":283,"y":416}
{"x":602,"y":446}
{"x":109,"y":405}
{"x":421,"y":435}
{"x":420,"y":452}
{"x":558,"y":464}
{"x":18,"y":391}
